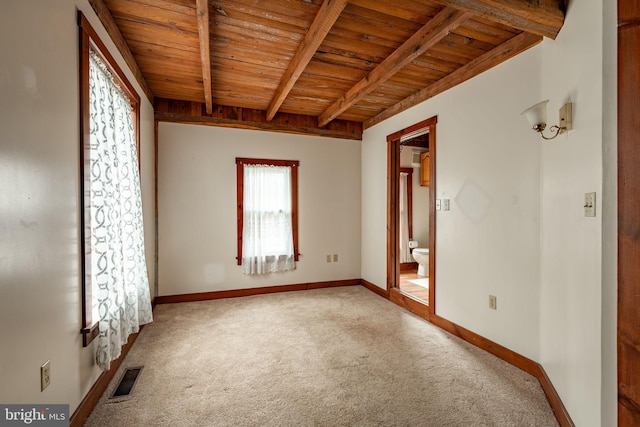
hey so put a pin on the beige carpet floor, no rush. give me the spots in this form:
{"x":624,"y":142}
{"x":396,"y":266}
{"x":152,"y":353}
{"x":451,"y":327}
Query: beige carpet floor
{"x":327,"y":357}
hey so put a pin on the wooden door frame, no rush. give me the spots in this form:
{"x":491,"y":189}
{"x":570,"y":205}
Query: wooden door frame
{"x":393,"y":220}
{"x":628,"y":336}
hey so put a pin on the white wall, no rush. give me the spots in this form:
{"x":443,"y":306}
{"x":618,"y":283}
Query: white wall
{"x":571,"y":257}
{"x":532,"y":246}
{"x":197,"y":207}
{"x":483,"y":143}
{"x":40,"y":288}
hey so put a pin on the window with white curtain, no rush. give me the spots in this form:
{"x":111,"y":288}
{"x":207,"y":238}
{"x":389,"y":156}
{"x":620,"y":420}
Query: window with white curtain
{"x":115,"y":280}
{"x":267,"y":215}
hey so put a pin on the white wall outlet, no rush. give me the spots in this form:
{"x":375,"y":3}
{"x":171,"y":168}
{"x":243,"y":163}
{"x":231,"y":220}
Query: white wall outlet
{"x":493,"y":302}
{"x":335,"y":257}
{"x":328,"y":258}
{"x":45,"y":375}
{"x":589,"y":204}
{"x":445,"y":204}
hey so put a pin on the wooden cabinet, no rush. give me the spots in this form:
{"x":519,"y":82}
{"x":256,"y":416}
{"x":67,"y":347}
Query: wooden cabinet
{"x":424,"y":169}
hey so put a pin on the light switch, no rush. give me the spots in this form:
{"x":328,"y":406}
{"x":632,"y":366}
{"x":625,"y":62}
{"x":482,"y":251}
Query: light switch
{"x":590,"y":204}
{"x":438,"y":204}
{"x":445,"y":204}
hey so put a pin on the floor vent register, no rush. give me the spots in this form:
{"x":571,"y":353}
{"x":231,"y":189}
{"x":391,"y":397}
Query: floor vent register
{"x":127,"y":382}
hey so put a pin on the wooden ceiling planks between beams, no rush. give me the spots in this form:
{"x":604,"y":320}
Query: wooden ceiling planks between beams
{"x":202,"y":11}
{"x":497,"y":55}
{"x":114,"y":33}
{"x":541,"y":17}
{"x":352,"y":78}
{"x":322,"y":24}
{"x":430,"y":34}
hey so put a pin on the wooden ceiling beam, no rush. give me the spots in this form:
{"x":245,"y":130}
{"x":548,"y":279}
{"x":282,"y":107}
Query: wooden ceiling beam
{"x":423,"y":39}
{"x":542,"y":17}
{"x":322,"y":23}
{"x":110,"y":25}
{"x":268,"y":126}
{"x":190,"y":112}
{"x":497,"y":55}
{"x":202,"y":11}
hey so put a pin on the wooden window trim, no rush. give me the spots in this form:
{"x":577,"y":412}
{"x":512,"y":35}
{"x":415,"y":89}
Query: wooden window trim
{"x":89,"y":40}
{"x":293,"y":164}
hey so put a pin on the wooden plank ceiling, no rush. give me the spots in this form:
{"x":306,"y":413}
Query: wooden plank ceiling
{"x":321,"y":67}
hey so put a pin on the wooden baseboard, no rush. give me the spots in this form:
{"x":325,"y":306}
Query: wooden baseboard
{"x":553,"y":397}
{"x":519,"y":361}
{"x":375,"y":289}
{"x":408,"y":266}
{"x":409,"y":303}
{"x":83,"y":410}
{"x":235,"y":293}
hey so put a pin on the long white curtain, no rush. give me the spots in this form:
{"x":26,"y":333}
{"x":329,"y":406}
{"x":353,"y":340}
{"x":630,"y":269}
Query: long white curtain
{"x":118,"y":267}
{"x":405,"y":254}
{"x":267,"y":237}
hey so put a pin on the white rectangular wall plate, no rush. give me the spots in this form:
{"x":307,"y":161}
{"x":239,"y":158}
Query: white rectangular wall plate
{"x":590,"y":204}
{"x":45,"y":375}
{"x":566,"y":112}
{"x":493,"y":302}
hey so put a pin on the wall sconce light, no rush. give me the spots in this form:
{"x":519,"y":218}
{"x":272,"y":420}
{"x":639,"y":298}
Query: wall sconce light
{"x":537,"y":116}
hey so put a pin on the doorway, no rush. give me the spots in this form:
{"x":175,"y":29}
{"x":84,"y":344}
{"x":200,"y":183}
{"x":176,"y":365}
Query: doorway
{"x":406,"y":287}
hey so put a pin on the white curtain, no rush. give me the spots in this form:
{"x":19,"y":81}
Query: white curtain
{"x":120,"y":283}
{"x":267,"y":235}
{"x":405,"y":253}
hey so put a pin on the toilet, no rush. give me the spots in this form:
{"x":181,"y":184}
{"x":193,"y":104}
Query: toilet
{"x":421,"y":255}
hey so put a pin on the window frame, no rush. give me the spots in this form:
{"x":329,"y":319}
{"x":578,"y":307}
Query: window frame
{"x":293,"y":164}
{"x":89,"y":40}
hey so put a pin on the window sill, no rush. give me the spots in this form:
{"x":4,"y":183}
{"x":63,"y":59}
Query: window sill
{"x":89,"y":334}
